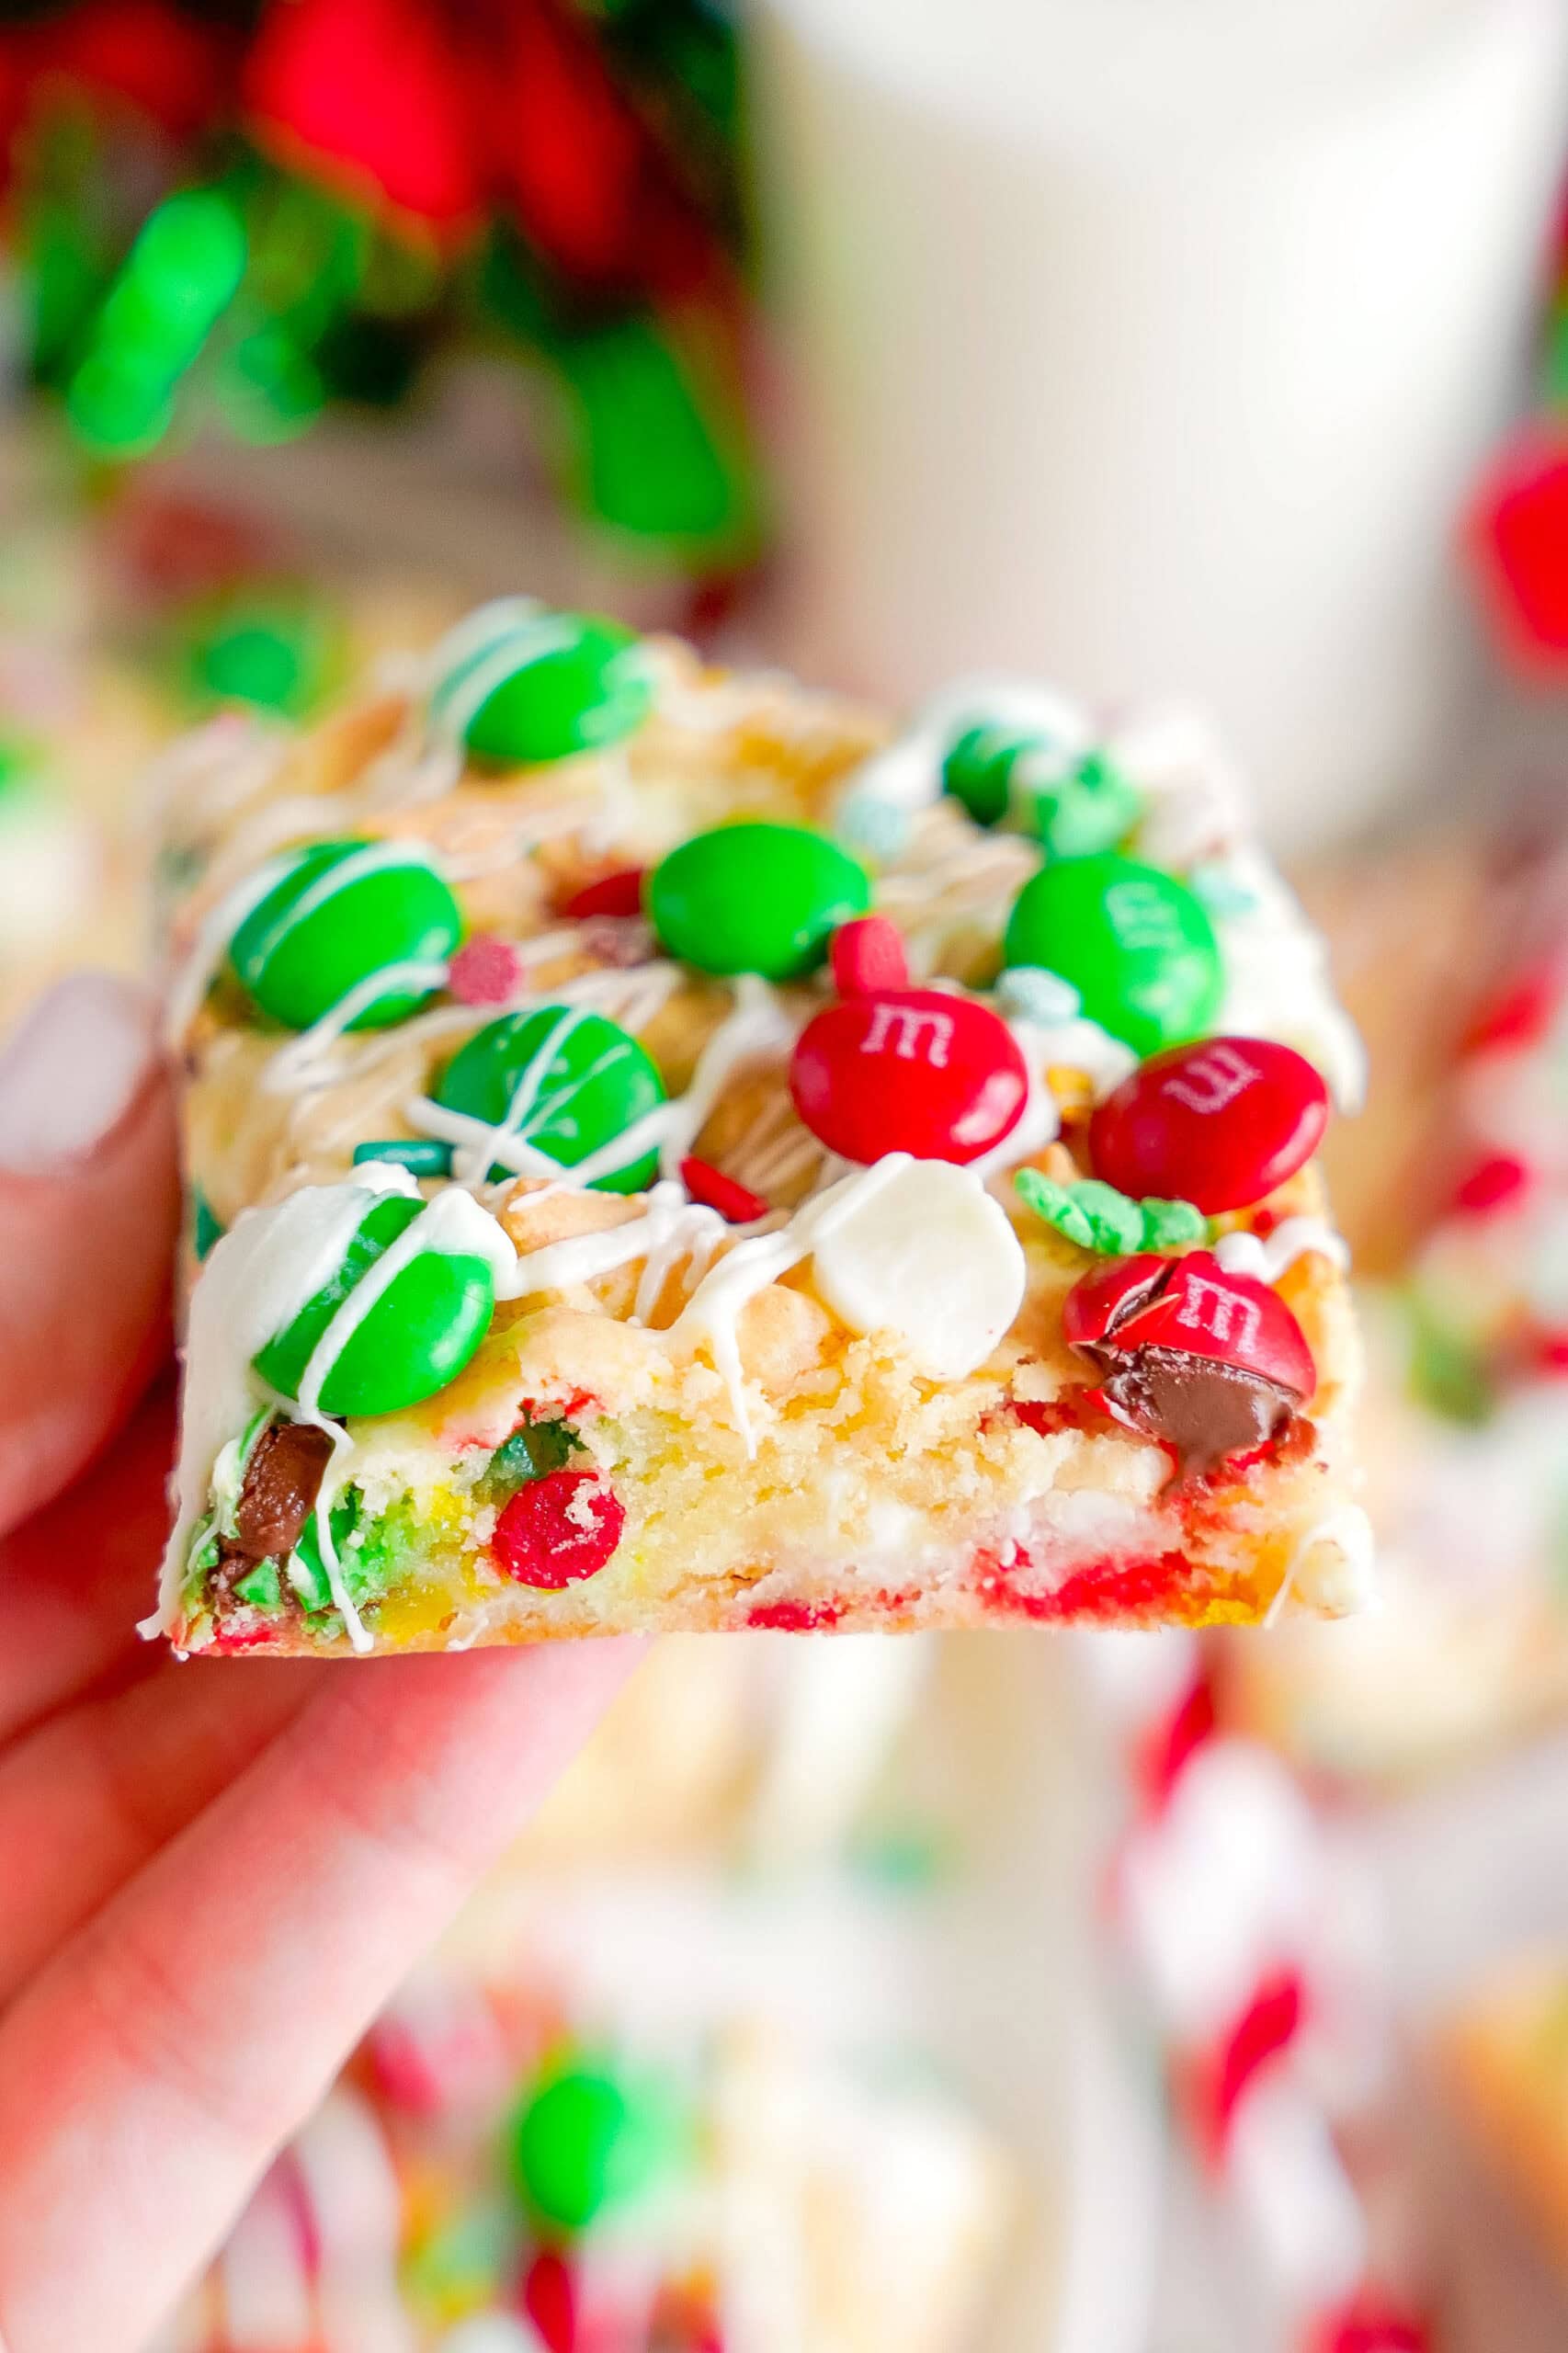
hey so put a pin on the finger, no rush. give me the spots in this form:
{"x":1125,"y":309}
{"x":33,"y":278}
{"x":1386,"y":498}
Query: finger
{"x":89,"y":1207}
{"x":88,"y":1798}
{"x":76,"y":1577}
{"x":150,"y":2072}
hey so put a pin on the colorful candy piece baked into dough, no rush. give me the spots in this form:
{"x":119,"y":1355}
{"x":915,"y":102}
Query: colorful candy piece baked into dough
{"x":663,"y":1152}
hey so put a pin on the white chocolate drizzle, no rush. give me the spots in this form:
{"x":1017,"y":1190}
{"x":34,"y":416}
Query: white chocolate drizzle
{"x":1268,"y":1257}
{"x":305,"y":1060}
{"x":671,"y":1229}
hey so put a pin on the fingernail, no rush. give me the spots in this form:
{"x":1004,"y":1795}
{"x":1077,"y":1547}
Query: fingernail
{"x":69,"y":1073}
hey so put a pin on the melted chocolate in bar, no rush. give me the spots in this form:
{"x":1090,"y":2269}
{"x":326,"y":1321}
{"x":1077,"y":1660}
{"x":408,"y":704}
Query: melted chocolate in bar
{"x":1204,"y":1409}
{"x":282,"y":1481}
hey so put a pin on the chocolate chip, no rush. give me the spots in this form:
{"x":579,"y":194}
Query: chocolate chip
{"x":1205,"y":1409}
{"x":282,"y":1482}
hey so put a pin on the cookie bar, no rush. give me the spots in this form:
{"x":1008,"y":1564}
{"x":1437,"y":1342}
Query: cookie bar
{"x":664,"y":1153}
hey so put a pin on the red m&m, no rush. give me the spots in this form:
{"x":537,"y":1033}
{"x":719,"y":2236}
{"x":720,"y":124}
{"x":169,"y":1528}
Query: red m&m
{"x":1219,"y":1123}
{"x":558,"y":1530}
{"x":1191,"y":1307}
{"x":909,"y":1070}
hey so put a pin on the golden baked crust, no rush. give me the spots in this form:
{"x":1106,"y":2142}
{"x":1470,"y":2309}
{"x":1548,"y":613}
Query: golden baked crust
{"x":823,"y":1477}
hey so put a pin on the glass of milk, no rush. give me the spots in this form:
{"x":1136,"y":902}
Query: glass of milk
{"x":1152,"y":344}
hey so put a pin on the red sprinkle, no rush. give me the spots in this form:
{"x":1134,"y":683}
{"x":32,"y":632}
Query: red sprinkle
{"x":795,"y":1616}
{"x":1492,"y":1183}
{"x":716,"y":1191}
{"x":486,"y":971}
{"x":1521,"y":1014}
{"x":620,"y":894}
{"x":866,"y":955}
{"x":559,"y":1529}
{"x":549,"y":2298}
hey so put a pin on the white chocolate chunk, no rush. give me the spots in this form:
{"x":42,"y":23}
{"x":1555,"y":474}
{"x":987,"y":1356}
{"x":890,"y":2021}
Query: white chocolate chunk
{"x":931,"y":1256}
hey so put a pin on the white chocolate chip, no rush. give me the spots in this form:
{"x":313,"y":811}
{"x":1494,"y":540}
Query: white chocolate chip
{"x":931,"y":1256}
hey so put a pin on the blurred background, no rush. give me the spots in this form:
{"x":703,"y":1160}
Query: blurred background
{"x":1126,"y":1994}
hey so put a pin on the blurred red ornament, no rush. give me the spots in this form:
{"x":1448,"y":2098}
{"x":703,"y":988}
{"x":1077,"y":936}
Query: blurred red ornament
{"x":1373,"y":2325}
{"x":170,"y":68}
{"x":1518,"y":539}
{"x":370,"y":94}
{"x":1492,"y":1184}
{"x":549,"y":2298}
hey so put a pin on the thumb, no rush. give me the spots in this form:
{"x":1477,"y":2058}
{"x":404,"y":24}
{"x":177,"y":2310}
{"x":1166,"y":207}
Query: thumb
{"x":89,"y":1207}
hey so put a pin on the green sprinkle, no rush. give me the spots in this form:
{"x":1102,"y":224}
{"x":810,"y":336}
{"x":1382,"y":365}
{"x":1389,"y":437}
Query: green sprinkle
{"x":1115,"y":1222}
{"x":1056,"y":1205}
{"x":204,"y":1228}
{"x":531,"y":1452}
{"x":1173,"y":1225}
{"x":1096,"y":1217}
{"x":261,"y":1588}
{"x":421,"y":1157}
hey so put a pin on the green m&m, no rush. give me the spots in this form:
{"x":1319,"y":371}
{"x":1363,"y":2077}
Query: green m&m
{"x":756,"y":898}
{"x":1133,"y":940}
{"x":336,"y":914}
{"x":563,"y":1081}
{"x":1076,"y":806}
{"x":1089,"y":808}
{"x":525,"y":684}
{"x":420,"y":1326}
{"x":978,"y":767}
{"x":587,"y":2139}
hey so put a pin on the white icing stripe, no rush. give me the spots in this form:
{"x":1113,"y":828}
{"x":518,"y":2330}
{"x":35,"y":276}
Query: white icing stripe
{"x":476,"y":631}
{"x":476,"y":1137}
{"x":1266,"y":1258}
{"x":758,"y":1030}
{"x":375,"y":857}
{"x":475,"y":1158}
{"x":196,"y":975}
{"x":296,"y":1065}
{"x":669,"y":1223}
{"x":467,"y":685}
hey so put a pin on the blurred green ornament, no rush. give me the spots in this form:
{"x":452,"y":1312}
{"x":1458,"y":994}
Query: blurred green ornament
{"x":659,"y":448}
{"x":588,"y":2138}
{"x":275,"y":653}
{"x":268,"y":389}
{"x":179,"y":277}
